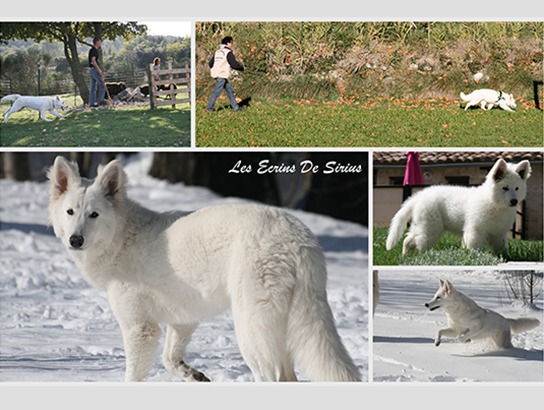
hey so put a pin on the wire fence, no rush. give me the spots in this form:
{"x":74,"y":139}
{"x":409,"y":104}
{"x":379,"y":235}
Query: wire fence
{"x":48,"y":86}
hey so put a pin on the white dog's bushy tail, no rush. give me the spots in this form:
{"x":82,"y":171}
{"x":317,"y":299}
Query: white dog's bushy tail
{"x":464,"y":97}
{"x":312,"y":336}
{"x":399,"y":224}
{"x":523,"y":324}
{"x":10,"y":97}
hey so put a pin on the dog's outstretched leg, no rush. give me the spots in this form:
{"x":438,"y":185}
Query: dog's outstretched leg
{"x":7,"y":113}
{"x":177,"y":338}
{"x":56,"y":113}
{"x":505,"y":106}
{"x":447,"y":332}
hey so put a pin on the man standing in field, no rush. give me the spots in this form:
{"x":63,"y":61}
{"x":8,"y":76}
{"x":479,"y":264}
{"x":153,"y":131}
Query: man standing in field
{"x":221,"y":65}
{"x":97,"y":75}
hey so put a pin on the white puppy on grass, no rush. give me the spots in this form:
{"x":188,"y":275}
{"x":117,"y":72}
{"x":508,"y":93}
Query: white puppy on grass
{"x":487,"y":99}
{"x":482,"y":215}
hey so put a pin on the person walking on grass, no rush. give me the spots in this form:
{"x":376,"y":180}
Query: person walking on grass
{"x":221,"y":66}
{"x":97,"y":75}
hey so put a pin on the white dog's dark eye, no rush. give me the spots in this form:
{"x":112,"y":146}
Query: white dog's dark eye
{"x":517,"y":188}
{"x":94,"y":215}
{"x":70,"y":211}
{"x":505,"y":189}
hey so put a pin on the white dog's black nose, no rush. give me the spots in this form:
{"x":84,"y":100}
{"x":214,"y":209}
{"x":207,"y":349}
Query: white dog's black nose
{"x":76,"y":241}
{"x":513,"y":202}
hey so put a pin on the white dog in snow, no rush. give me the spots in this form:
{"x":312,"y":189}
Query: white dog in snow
{"x":41,"y":104}
{"x":487,"y":99}
{"x":179,"y":269}
{"x":467,"y":321}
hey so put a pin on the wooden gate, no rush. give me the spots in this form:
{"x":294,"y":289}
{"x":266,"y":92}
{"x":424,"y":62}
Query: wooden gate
{"x":172,"y":82}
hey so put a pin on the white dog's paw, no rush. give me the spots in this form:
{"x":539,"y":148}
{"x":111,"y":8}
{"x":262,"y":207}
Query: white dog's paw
{"x":192,"y":375}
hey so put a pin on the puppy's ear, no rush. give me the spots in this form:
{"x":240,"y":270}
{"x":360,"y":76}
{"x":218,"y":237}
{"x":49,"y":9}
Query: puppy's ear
{"x":499,"y":170}
{"x":62,"y":174}
{"x":112,"y":180}
{"x":523,"y":169}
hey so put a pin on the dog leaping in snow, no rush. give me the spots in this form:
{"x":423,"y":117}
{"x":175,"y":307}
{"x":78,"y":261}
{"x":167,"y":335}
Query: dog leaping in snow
{"x":467,"y":321}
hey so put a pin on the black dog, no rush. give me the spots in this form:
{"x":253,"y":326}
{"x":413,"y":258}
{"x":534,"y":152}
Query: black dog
{"x":144,"y":88}
{"x":115,"y":88}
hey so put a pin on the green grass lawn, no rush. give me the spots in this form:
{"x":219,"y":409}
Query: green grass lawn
{"x":383,"y":123}
{"x":117,"y":126}
{"x":449,"y":252}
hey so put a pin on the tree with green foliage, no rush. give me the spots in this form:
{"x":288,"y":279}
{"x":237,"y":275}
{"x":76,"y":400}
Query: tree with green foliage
{"x":70,"y":34}
{"x":141,"y":51}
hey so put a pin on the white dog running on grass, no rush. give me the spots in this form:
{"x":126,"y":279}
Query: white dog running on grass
{"x":179,"y":269}
{"x":482,"y":215}
{"x":41,"y":104}
{"x":467,"y":321}
{"x":487,"y":99}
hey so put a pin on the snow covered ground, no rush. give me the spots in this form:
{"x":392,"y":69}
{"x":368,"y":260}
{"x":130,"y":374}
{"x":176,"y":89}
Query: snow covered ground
{"x":55,"y":327}
{"x":403,"y":348}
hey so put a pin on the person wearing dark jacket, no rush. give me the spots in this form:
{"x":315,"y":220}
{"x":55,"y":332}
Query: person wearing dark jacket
{"x":97,"y":75}
{"x":221,"y":65}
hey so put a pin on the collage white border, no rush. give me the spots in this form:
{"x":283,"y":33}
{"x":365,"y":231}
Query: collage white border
{"x":272,"y":396}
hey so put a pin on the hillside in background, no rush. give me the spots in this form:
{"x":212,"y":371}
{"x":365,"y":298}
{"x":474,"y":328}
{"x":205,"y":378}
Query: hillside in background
{"x":358,"y":60}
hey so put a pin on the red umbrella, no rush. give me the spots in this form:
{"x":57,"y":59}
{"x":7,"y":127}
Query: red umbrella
{"x":412,"y":174}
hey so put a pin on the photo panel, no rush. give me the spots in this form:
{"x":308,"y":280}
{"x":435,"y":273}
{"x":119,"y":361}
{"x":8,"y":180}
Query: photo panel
{"x":278,"y":237}
{"x":457,"y":326}
{"x":96,"y":84}
{"x":468,"y":208}
{"x":368,"y":84}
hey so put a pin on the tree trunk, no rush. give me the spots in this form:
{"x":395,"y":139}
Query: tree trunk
{"x":16,"y":166}
{"x":70,"y":51}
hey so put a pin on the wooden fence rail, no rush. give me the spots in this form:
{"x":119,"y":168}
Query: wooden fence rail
{"x":171,"y":82}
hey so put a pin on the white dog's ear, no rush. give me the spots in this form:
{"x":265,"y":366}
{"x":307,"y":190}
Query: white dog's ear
{"x":523,"y":169}
{"x":112,"y":180}
{"x":62,"y":174}
{"x":499,"y":170}
{"x":448,"y":286}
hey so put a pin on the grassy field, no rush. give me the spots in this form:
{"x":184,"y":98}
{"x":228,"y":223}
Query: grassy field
{"x":117,"y":126}
{"x":449,"y":252}
{"x":381,"y":123}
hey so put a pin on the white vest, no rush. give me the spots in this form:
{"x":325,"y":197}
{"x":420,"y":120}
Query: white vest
{"x":221,"y":67}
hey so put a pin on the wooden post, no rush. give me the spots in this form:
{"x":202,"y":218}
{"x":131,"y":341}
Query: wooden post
{"x":170,"y":82}
{"x":535,"y":93}
{"x":151,"y":83}
{"x":188,"y":77}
